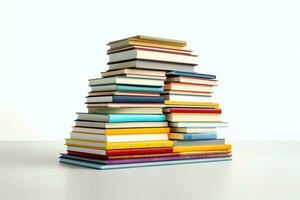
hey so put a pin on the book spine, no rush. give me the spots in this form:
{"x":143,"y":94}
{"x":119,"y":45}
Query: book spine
{"x":191,"y":110}
{"x":137,"y":99}
{"x":113,"y":118}
{"x":122,"y":152}
{"x":129,"y":88}
{"x":200,"y":136}
{"x":202,"y":148}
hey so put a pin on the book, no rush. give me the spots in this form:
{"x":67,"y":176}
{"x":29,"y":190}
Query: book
{"x":88,"y":146}
{"x":202,"y":148}
{"x":198,"y":104}
{"x":198,"y":142}
{"x":127,"y":88}
{"x":143,"y":160}
{"x":193,"y":136}
{"x":192,"y":110}
{"x":194,"y":117}
{"x":113,"y":118}
{"x":151,"y":64}
{"x":148,"y":41}
{"x":126,"y":81}
{"x":125,"y":110}
{"x":119,"y":138}
{"x":93,"y":124}
{"x":144,"y":72}
{"x":191,"y":98}
{"x":144,"y":164}
{"x":190,"y":74}
{"x":125,"y":105}
{"x":117,"y":93}
{"x":125,"y":99}
{"x":208,"y":94}
{"x":140,"y":53}
{"x":121,"y":131}
{"x":188,"y":87}
{"x":198,"y":124}
{"x":145,"y":77}
{"x":192,"y":130}
{"x":185,"y":79}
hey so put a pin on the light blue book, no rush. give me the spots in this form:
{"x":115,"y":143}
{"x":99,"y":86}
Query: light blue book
{"x":130,"y":88}
{"x":145,"y":164}
{"x":195,"y":136}
{"x":113,"y":118}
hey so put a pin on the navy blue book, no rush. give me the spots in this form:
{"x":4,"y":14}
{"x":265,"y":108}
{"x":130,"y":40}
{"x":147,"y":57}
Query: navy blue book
{"x":191,"y":74}
{"x":125,"y":99}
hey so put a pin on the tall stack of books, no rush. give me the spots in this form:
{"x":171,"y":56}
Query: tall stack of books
{"x":125,"y":125}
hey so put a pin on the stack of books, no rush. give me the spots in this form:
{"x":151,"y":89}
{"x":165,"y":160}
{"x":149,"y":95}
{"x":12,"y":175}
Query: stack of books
{"x":150,"y":81}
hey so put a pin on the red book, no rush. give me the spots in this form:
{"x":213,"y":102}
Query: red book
{"x":193,"y":110}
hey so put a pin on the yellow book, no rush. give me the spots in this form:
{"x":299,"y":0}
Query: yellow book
{"x":210,"y":104}
{"x":121,"y":131}
{"x":202,"y":148}
{"x":117,"y":145}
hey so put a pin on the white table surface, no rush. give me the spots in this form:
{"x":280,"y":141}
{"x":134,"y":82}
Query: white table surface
{"x":259,"y":170}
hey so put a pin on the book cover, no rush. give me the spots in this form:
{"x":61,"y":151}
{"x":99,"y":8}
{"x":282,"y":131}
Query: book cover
{"x":193,"y":136}
{"x":191,"y":74}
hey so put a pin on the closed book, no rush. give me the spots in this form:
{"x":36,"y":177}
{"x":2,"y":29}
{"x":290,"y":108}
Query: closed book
{"x":198,"y":142}
{"x":198,"y":124}
{"x":125,"y":80}
{"x":191,"y":98}
{"x":134,"y":72}
{"x":125,"y":99}
{"x":145,"y":77}
{"x":119,"y":138}
{"x":192,"y":136}
{"x":112,"y":118}
{"x":192,"y":130}
{"x":125,"y":110}
{"x":120,"y":131}
{"x":202,"y":148}
{"x":192,"y":110}
{"x":86,"y":145}
{"x":190,"y":74}
{"x":181,"y":92}
{"x":188,"y":87}
{"x":99,"y":166}
{"x":125,"y":105}
{"x":151,"y":54}
{"x":194,"y":117}
{"x":93,"y":124}
{"x":111,"y":93}
{"x":185,"y":79}
{"x":127,"y":88}
{"x":198,"y":104}
{"x":151,"y":64}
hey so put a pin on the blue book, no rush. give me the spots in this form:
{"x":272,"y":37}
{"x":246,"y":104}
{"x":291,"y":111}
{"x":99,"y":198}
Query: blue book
{"x":97,"y":165}
{"x":193,"y":136}
{"x":191,"y":74}
{"x":137,"y":99}
{"x":112,"y":118}
{"x":131,"y":88}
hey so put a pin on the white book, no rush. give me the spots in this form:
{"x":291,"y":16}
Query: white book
{"x":191,"y":117}
{"x":184,"y":79}
{"x":127,"y":105}
{"x":87,"y":150}
{"x":120,"y":125}
{"x":125,"y":80}
{"x":134,"y":72}
{"x":192,"y":130}
{"x":119,"y":138}
{"x":141,"y":110}
{"x":152,"y":55}
{"x":108,"y":93}
{"x":189,"y":98}
{"x":198,"y":124}
{"x":186,"y":92}
{"x":188,"y":87}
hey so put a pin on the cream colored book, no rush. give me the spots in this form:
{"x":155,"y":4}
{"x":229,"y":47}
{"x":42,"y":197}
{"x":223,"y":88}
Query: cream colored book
{"x":191,"y":117}
{"x":188,"y":87}
{"x":134,"y":72}
{"x":108,"y":93}
{"x":125,"y":110}
{"x":184,"y":79}
{"x":125,"y":80}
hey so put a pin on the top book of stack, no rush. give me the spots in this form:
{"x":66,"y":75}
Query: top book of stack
{"x":151,"y":53}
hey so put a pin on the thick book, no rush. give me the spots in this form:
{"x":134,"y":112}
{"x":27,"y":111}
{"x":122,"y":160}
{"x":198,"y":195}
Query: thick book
{"x":191,"y":98}
{"x":192,"y":110}
{"x":119,"y":138}
{"x":90,"y":146}
{"x":188,"y":87}
{"x":188,"y":103}
{"x":120,"y":131}
{"x":143,"y":160}
{"x":185,"y":79}
{"x":193,"y":136}
{"x":191,"y":74}
{"x":125,"y":105}
{"x":125,"y":80}
{"x":144,"y":164}
{"x":198,"y":142}
{"x":125,"y":110}
{"x":194,"y":117}
{"x":217,"y":147}
{"x":112,"y":118}
{"x":117,"y":93}
{"x":151,"y":64}
{"x":198,"y":124}
{"x":151,"y":54}
{"x":127,"y":88}
{"x":143,"y":72}
{"x":125,"y":99}
{"x":93,"y":124}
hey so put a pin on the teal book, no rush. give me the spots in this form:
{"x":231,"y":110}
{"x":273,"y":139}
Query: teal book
{"x":113,"y":118}
{"x":193,"y":136}
{"x":131,"y":88}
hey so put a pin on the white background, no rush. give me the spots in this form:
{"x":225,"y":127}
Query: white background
{"x":49,"y":49}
